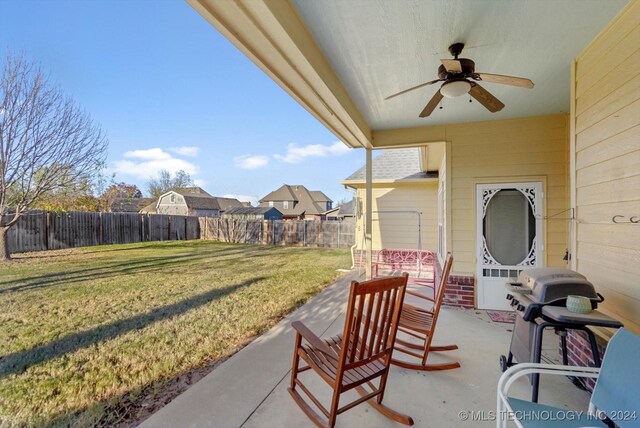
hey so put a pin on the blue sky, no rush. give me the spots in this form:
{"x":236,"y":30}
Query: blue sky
{"x":173,"y":93}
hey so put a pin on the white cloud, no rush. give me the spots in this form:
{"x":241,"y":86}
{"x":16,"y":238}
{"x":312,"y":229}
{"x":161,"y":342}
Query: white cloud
{"x":147,"y":163}
{"x":151,"y":154}
{"x":186,"y":150}
{"x":243,"y":198}
{"x":251,"y":161}
{"x":296,"y":154}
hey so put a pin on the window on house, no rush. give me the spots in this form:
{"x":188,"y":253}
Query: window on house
{"x":329,"y":205}
{"x":271,"y":203}
{"x":285,"y":205}
{"x":173,"y":199}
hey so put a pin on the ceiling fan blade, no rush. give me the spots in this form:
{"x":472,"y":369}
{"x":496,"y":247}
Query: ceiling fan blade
{"x":490,"y":102}
{"x":433,"y":103}
{"x":506,"y":80}
{"x":452,"y":65}
{"x":412,"y":88}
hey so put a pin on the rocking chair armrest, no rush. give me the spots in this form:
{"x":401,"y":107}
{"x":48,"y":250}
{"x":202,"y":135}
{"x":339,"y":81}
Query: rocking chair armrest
{"x":313,"y":340}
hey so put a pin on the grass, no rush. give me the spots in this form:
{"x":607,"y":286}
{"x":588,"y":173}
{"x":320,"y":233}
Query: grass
{"x":83,"y":332}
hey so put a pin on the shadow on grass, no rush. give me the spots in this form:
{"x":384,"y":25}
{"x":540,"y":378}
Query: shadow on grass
{"x":112,"y":269}
{"x":19,"y":361}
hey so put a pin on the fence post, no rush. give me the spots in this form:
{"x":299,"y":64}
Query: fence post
{"x":47,"y":226}
{"x":339,"y":232}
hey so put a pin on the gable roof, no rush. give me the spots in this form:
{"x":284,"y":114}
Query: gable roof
{"x":191,"y":191}
{"x":283,"y":193}
{"x":318,"y":196}
{"x":396,"y":164}
{"x":229,"y":203}
{"x":305,"y":200}
{"x":201,"y":202}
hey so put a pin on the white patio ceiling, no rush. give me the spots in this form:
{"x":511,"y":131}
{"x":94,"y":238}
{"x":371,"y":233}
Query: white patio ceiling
{"x":340,"y":58}
{"x":379,"y":47}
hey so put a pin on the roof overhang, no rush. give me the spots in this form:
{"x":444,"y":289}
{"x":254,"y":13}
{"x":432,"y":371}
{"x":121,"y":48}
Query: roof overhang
{"x":273,"y":36}
{"x":355,"y":184}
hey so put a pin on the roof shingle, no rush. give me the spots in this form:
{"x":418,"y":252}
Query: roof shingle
{"x":396,"y":164}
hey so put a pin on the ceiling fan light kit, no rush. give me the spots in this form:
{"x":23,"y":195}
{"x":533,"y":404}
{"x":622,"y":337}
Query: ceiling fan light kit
{"x":458,"y":75}
{"x":455,"y":89}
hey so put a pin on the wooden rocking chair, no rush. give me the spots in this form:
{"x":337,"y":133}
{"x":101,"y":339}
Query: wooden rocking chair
{"x":357,"y":357}
{"x":420,"y":323}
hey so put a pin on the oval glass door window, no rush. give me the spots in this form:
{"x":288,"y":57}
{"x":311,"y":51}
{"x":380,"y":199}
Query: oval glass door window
{"x":509,"y":227}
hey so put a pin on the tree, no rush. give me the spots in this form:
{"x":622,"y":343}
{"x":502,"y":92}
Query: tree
{"x":165,"y":182}
{"x":47,"y":142}
{"x":118,"y":191}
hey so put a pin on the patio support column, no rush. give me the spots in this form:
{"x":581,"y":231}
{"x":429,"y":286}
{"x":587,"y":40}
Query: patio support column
{"x":368,"y":223}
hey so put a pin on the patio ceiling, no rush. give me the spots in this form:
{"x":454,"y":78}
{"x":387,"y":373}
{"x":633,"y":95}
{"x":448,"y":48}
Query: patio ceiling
{"x":339,"y":59}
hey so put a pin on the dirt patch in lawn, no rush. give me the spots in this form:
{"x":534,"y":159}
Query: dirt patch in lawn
{"x":132,"y":409}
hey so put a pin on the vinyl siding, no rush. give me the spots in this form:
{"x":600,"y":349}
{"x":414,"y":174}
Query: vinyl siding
{"x":400,"y":230}
{"x":607,"y":165}
{"x":177,"y":207}
{"x":518,"y":150}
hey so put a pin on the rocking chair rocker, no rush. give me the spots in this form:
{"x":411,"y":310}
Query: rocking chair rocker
{"x":356,"y":358}
{"x":420,"y":323}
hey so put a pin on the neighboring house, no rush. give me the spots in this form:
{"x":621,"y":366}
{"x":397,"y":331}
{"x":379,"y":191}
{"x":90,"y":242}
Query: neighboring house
{"x":253,"y":213}
{"x":405,"y":200}
{"x":323,"y":201}
{"x":344,"y":211}
{"x":193,"y":201}
{"x":130,"y":205}
{"x":556,"y":170}
{"x":298,"y":203}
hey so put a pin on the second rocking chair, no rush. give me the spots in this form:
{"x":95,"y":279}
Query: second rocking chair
{"x":419,"y":322}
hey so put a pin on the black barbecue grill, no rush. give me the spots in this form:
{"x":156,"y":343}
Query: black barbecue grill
{"x":539,"y":297}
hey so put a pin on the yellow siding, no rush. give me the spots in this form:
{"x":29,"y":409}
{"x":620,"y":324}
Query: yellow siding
{"x":607,"y":159}
{"x":400,"y":230}
{"x":530,"y":149}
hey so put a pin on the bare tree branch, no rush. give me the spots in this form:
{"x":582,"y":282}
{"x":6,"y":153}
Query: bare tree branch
{"x":46,"y":141}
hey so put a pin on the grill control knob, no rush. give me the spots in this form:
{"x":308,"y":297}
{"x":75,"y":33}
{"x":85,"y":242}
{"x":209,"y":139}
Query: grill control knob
{"x":514,"y":302}
{"x":509,"y":296}
{"x":520,"y":308}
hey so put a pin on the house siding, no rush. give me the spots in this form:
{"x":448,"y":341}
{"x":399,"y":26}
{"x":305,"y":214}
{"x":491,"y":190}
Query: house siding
{"x":517,"y":150}
{"x":606,"y":174}
{"x":401,"y":230}
{"x":178,"y":207}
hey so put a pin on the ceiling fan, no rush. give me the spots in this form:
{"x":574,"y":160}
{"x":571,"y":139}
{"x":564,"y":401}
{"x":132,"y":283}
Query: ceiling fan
{"x":459,"y":77}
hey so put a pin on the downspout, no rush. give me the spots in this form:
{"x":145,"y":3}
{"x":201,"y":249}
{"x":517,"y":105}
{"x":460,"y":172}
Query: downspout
{"x":355,"y":217}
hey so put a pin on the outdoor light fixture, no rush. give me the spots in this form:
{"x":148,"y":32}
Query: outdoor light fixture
{"x":455,"y":89}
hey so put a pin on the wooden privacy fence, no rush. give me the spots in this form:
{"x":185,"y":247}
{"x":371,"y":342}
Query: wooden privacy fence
{"x":53,"y":231}
{"x":279,"y":232}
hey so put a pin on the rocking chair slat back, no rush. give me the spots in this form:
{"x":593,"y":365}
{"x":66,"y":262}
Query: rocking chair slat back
{"x":371,"y":317}
{"x":358,"y":357}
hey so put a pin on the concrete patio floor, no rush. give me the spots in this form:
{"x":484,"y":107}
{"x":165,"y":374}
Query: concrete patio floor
{"x":250,"y":389}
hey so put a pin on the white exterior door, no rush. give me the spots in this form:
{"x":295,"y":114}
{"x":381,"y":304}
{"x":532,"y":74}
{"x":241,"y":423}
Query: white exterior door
{"x":509,"y":237}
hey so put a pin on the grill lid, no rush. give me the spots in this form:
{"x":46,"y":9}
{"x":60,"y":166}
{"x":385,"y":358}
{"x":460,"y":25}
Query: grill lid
{"x":549,"y":285}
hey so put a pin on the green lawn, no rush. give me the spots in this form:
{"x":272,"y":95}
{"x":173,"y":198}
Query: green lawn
{"x":87,"y":332}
